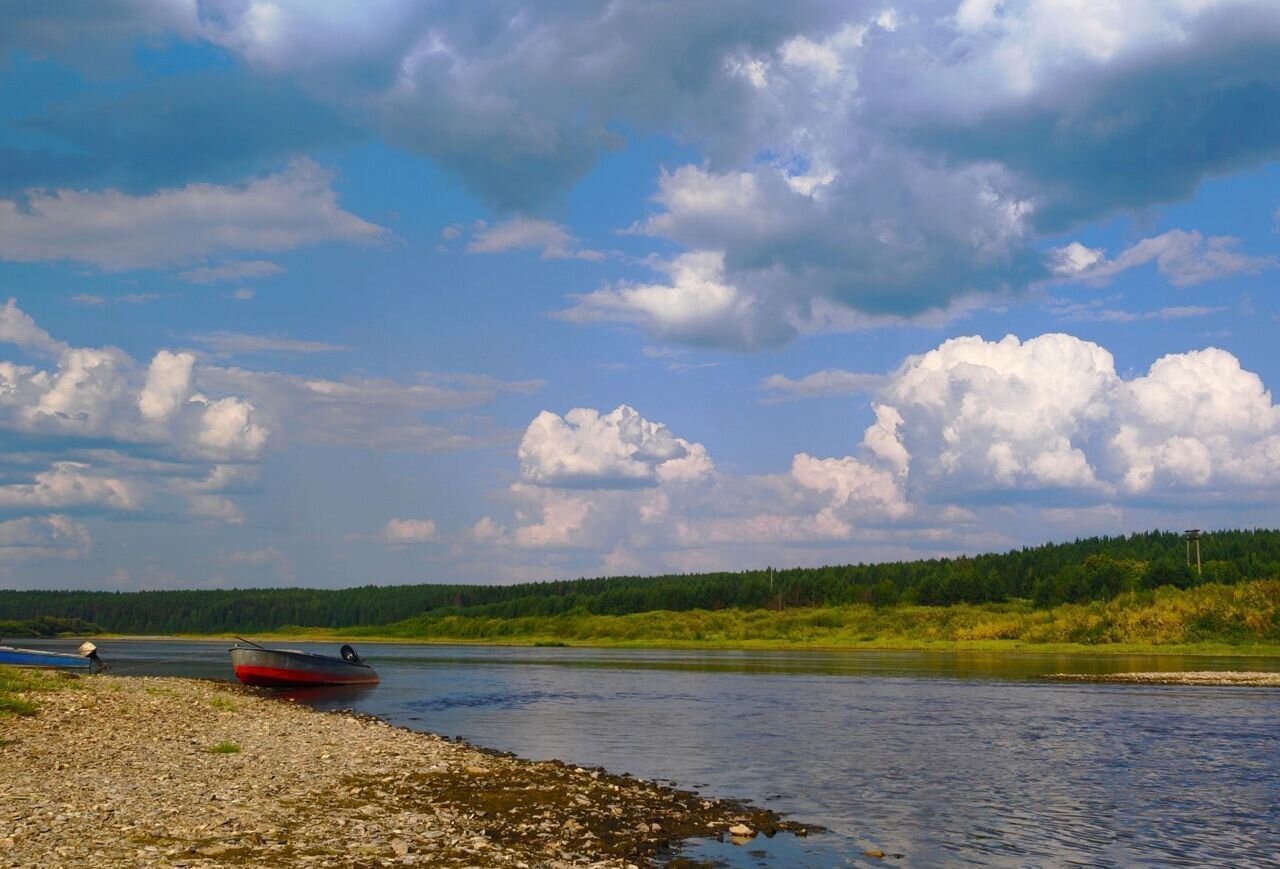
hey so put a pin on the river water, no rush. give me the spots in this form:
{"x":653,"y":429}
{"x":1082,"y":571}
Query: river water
{"x":934,"y":758}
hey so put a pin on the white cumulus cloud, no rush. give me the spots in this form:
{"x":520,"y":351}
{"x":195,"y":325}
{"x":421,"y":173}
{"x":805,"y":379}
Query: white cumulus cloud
{"x":1052,"y":412}
{"x":620,"y":449}
{"x":69,"y":484}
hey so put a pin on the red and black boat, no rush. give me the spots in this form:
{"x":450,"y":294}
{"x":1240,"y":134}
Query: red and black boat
{"x":290,"y":668}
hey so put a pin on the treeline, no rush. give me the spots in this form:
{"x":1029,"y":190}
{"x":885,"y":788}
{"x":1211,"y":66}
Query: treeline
{"x":1095,"y":568}
{"x":47,"y":626}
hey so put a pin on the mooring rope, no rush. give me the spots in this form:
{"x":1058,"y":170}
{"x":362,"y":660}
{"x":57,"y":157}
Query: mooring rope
{"x":115,"y":670}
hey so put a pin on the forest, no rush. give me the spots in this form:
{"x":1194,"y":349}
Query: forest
{"x":1079,"y":572}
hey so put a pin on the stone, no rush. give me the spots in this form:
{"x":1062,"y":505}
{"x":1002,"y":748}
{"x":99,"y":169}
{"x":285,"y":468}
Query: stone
{"x":741,"y":830}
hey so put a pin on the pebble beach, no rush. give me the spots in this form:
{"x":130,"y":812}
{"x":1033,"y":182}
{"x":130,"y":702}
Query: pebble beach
{"x":120,"y":771}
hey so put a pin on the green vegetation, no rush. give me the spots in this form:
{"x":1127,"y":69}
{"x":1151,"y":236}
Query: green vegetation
{"x":1086,"y":591}
{"x":15,"y":682}
{"x":223,"y":704}
{"x":47,"y":626}
{"x":224,"y":748}
{"x":1244,"y":614}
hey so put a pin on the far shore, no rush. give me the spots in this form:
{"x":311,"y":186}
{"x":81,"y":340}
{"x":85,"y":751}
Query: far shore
{"x":1257,"y":650}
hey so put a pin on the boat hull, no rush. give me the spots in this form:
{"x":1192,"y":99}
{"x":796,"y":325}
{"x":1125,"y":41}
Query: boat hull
{"x":40,"y":658}
{"x":287,"y":668}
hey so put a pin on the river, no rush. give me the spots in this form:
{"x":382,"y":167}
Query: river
{"x":934,"y":758}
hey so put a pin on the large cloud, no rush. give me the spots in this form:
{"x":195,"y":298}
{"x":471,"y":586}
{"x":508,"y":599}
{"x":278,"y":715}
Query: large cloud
{"x":103,"y":406}
{"x":857,"y":160}
{"x":102,"y":392}
{"x":627,"y":487}
{"x":1052,"y":413}
{"x":68,"y":484}
{"x":1104,"y":106}
{"x":518,"y":102}
{"x":975,"y":444}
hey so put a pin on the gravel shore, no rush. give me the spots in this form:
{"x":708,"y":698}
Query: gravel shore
{"x":1196,"y":677}
{"x":179,"y":772}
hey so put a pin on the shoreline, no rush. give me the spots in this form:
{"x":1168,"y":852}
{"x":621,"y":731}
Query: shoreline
{"x":150,"y":771}
{"x":1215,"y":678}
{"x":1014,"y":647}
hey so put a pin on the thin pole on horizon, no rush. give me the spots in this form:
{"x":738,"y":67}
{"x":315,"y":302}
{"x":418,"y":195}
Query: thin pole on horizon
{"x":1194,"y":534}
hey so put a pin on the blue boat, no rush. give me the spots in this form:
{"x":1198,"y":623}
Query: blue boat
{"x":84,"y":659}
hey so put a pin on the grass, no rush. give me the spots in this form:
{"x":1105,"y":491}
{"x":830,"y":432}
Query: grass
{"x":18,"y":683}
{"x":1242,"y":619}
{"x":224,"y":748}
{"x":224,"y":704}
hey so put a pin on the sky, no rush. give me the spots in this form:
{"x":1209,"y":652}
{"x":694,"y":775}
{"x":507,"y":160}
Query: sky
{"x":391,"y":291}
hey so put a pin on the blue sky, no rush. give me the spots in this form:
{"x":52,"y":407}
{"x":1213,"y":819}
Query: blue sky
{"x":387,"y":292}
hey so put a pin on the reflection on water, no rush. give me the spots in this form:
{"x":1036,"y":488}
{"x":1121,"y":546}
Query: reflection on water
{"x":941,"y":758}
{"x":327,"y":696}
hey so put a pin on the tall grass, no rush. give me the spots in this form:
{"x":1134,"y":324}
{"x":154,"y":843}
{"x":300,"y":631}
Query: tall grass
{"x":1243,"y":614}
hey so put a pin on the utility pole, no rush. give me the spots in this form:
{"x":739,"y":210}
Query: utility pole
{"x":1193,"y":534}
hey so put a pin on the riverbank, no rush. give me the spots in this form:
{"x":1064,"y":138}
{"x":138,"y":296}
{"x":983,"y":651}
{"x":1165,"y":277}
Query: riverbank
{"x":1013,"y":647}
{"x":1213,"y":619}
{"x":116,"y":771}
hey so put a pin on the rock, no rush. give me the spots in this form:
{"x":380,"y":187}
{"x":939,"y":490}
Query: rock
{"x":400,"y":847}
{"x":741,"y":830}
{"x":874,"y":852}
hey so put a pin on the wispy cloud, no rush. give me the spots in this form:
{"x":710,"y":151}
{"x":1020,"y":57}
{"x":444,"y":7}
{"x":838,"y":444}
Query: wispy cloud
{"x":1185,"y":258}
{"x":1095,"y":312}
{"x":115,"y":230}
{"x":236,"y":270}
{"x":240,"y":343}
{"x":828,"y":383}
{"x":675,"y":360}
{"x":372,"y":413}
{"x":551,"y":240}
{"x":90,"y":300}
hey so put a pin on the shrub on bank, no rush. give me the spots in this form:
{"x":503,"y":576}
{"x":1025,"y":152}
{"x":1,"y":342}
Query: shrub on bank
{"x":1233,"y":614}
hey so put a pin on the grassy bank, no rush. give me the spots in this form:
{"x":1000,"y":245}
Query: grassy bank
{"x":1243,"y":618}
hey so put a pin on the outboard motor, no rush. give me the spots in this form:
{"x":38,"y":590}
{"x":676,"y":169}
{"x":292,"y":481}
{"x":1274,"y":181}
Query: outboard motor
{"x":349,"y":654}
{"x":90,"y":651}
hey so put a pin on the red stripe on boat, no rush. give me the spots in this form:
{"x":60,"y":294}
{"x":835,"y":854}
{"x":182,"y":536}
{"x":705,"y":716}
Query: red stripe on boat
{"x":277,"y":677}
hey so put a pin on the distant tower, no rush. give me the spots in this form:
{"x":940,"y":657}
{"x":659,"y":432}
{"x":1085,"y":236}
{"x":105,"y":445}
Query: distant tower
{"x":1193,"y":534}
